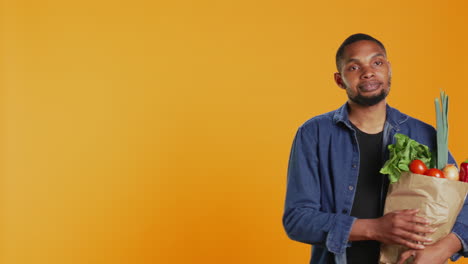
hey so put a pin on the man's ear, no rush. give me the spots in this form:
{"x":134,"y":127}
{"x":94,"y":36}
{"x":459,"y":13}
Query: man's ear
{"x":339,"y":80}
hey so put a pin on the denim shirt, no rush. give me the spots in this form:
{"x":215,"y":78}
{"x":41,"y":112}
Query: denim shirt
{"x":322,"y":178}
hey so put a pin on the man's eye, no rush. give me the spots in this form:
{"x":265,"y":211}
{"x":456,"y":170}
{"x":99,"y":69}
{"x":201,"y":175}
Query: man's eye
{"x":353,"y":68}
{"x":378,"y":63}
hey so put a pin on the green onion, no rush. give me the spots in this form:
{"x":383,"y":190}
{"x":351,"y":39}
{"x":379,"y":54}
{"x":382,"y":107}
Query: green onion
{"x":442,"y":130}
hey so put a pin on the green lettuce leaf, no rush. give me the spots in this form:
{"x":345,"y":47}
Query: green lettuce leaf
{"x":402,"y":153}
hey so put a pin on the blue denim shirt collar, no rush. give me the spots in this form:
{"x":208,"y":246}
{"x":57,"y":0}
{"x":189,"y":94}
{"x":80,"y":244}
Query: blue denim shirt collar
{"x":394,"y":117}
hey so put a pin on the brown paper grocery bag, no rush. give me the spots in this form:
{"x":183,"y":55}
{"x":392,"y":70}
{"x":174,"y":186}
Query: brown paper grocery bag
{"x":438,"y":200}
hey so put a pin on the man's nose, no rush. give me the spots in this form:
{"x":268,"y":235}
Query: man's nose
{"x":367,"y":73}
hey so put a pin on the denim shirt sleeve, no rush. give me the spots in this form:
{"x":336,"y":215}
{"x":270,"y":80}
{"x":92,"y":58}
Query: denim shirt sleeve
{"x":303,"y":219}
{"x":460,"y":228}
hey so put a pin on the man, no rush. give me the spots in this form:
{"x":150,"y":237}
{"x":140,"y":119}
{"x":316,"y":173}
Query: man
{"x":335,"y":193}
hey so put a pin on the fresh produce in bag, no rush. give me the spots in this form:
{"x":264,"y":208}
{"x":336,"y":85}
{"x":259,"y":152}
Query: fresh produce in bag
{"x":464,"y":171}
{"x":402,"y":153}
{"x":439,"y":198}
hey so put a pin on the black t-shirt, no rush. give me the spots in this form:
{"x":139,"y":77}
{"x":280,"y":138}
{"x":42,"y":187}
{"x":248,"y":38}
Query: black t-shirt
{"x":367,"y":200}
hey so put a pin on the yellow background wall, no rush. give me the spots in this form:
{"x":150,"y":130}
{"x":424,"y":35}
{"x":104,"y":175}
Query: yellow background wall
{"x":159,"y":131}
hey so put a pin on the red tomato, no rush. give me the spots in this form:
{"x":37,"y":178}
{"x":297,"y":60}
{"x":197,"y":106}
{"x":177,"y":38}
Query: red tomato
{"x":435,"y":173}
{"x":418,"y":167}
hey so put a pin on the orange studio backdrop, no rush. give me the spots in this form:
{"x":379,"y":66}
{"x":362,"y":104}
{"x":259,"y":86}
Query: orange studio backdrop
{"x":159,"y":131}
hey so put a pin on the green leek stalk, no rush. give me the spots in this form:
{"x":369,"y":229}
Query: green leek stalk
{"x":442,"y":130}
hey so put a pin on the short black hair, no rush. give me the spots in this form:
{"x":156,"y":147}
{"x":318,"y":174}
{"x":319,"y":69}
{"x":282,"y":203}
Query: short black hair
{"x":350,"y":40}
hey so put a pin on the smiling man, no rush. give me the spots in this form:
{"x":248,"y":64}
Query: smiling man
{"x":364,"y":86}
{"x":335,"y":193}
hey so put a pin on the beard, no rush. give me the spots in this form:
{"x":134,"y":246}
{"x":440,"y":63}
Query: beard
{"x":369,"y":100}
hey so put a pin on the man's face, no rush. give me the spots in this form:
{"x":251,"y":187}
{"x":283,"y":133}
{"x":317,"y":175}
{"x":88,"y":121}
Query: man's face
{"x":365,"y":73}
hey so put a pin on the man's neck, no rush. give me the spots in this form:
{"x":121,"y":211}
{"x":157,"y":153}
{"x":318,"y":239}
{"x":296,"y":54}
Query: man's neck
{"x":369,"y":119}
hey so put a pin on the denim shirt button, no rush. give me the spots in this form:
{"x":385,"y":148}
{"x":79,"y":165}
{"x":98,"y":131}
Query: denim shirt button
{"x":354,"y":166}
{"x":344,"y":211}
{"x":351,"y":187}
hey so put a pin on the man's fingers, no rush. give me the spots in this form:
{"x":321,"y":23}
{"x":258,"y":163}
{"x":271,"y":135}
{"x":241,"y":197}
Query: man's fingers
{"x":416,"y":228}
{"x":409,"y":244}
{"x":406,"y":255}
{"x":414,"y":224}
{"x":415,"y":238}
{"x":416,"y":219}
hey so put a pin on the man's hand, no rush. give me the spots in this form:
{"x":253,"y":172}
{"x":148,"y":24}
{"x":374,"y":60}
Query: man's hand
{"x":431,"y":254}
{"x":401,"y":227}
{"x":436,"y":253}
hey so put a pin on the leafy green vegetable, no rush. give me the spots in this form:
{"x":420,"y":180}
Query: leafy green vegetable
{"x":402,"y":153}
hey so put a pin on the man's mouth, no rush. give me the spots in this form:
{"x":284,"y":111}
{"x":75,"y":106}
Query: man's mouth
{"x":369,"y":86}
